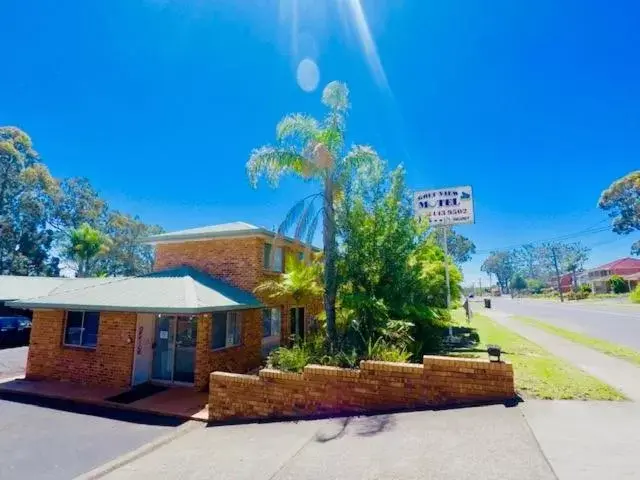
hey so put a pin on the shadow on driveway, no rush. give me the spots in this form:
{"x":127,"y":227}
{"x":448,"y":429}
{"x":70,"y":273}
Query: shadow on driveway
{"x":92,"y":410}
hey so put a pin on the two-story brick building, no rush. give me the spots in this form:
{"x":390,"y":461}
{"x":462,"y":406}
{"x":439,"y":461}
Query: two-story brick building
{"x":196,"y":313}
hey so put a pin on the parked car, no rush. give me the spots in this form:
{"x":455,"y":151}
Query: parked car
{"x":14,"y":331}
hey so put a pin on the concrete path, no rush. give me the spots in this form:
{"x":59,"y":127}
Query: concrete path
{"x":481,"y":443}
{"x":617,"y":373}
{"x":587,"y":440}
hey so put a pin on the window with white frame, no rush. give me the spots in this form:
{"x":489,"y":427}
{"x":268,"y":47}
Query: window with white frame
{"x":81,"y":329}
{"x":271,"y":322}
{"x":226,"y":330}
{"x":273,"y":258}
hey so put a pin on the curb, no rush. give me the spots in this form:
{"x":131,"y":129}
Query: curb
{"x":145,"y":449}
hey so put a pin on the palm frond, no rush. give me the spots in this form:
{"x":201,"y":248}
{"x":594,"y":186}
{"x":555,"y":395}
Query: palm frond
{"x":305,"y":218}
{"x":272,"y":163}
{"x":360,"y":155}
{"x":292,"y":216}
{"x":336,"y":96}
{"x":297,"y":127}
{"x":313,"y":225}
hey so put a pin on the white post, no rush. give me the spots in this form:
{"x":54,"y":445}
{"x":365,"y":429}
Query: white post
{"x":446,"y":265}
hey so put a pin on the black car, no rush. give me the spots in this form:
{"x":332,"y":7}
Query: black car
{"x":14,"y":331}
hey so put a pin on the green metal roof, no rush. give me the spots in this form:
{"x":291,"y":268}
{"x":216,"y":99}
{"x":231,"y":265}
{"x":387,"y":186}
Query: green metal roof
{"x":179,"y":290}
{"x":13,"y":287}
{"x":233,"y":229}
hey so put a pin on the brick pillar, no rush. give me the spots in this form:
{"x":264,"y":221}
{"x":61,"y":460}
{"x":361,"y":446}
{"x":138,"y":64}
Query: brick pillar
{"x":202,"y":370}
{"x":46,"y":337}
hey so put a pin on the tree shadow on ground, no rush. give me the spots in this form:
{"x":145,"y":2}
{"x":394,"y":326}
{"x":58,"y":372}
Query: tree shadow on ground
{"x":366,"y":426}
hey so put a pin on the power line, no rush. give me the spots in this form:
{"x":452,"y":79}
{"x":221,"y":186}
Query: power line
{"x":581,"y":233}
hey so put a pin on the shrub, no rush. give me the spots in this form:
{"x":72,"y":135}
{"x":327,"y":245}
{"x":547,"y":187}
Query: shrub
{"x":618,"y":284}
{"x":586,"y":288}
{"x":579,"y":295}
{"x":635,"y":295}
{"x":292,"y":359}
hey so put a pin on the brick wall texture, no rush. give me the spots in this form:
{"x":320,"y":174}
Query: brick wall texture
{"x":239,"y":359}
{"x":109,"y":364}
{"x":376,"y":386}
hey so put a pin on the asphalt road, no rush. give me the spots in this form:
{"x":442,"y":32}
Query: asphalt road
{"x":13,"y":361}
{"x":58,"y":440}
{"x":613,"y":323}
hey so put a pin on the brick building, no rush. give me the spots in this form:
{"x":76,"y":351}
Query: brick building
{"x":194,"y":314}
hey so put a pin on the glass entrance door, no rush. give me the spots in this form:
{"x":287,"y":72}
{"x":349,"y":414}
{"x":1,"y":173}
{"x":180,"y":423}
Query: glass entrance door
{"x":174,"y":348}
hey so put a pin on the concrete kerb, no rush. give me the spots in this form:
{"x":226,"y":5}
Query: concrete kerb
{"x":127,"y":458}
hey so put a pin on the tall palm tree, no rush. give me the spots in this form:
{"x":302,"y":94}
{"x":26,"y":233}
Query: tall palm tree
{"x":85,"y":244}
{"x":314,"y":150}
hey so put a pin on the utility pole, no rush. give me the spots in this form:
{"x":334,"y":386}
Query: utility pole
{"x":446,"y":265}
{"x":555,"y":264}
{"x":480,"y":283}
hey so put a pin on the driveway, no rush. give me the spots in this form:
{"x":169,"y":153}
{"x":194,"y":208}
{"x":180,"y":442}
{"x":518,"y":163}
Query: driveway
{"x":47,"y":441}
{"x":13,"y":361}
{"x":618,"y":325}
{"x":490,"y":442}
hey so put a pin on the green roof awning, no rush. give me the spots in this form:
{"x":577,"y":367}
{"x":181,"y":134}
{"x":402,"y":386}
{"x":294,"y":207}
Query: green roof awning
{"x":179,"y":290}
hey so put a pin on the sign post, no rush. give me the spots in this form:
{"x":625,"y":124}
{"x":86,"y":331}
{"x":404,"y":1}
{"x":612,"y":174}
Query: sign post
{"x":445,"y":207}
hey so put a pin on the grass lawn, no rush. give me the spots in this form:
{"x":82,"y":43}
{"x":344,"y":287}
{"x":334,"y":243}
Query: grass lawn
{"x":538,"y":374}
{"x":613,"y":349}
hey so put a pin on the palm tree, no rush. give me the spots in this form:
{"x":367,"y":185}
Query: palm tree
{"x":85,"y":244}
{"x":300,"y":282}
{"x":314,"y":150}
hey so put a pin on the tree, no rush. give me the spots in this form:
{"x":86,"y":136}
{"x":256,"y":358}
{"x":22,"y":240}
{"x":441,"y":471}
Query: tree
{"x":78,"y":203}
{"x":126,"y":255}
{"x":527,"y":259}
{"x":388,"y":268}
{"x":622,"y":201}
{"x":460,"y":248}
{"x":535,"y":286}
{"x":85,"y":244}
{"x":27,"y":192}
{"x":518,"y":283}
{"x":314,"y":151}
{"x":560,"y":257}
{"x":301,"y":283}
{"x":500,"y":264}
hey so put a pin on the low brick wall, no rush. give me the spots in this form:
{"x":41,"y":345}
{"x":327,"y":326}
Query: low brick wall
{"x":376,"y":386}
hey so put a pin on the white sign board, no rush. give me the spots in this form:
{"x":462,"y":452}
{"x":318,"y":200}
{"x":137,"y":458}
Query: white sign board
{"x":445,"y":206}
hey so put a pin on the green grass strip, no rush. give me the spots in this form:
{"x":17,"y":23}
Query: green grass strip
{"x":609,"y":348}
{"x":538,"y":373}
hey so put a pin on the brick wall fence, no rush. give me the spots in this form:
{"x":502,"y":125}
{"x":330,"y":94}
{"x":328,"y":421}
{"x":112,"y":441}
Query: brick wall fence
{"x":376,"y":386}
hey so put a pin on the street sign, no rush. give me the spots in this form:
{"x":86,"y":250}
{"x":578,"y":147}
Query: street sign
{"x":445,"y":206}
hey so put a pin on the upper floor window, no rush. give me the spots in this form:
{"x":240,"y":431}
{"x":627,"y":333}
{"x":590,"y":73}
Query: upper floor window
{"x":81,"y":329}
{"x":273,"y":258}
{"x":226,"y":330}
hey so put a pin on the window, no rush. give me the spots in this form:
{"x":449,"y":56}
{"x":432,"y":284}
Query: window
{"x":226,"y":330}
{"x":273,"y":260}
{"x":81,"y":329}
{"x":271,"y":322}
{"x":301,"y":256}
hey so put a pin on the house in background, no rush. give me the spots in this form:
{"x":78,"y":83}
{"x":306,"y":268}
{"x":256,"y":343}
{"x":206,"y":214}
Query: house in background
{"x":628,"y":268}
{"x":195,"y":314}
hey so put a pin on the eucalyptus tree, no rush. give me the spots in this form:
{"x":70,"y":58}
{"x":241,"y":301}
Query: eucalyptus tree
{"x":314,"y":150}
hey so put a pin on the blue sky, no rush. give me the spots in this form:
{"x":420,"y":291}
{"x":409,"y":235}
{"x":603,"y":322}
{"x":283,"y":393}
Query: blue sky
{"x":159,"y":102}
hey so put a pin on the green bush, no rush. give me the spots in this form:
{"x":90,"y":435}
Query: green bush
{"x":618,"y":284}
{"x":586,"y":288}
{"x":579,"y":295}
{"x":290,"y":359}
{"x":635,"y":295}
